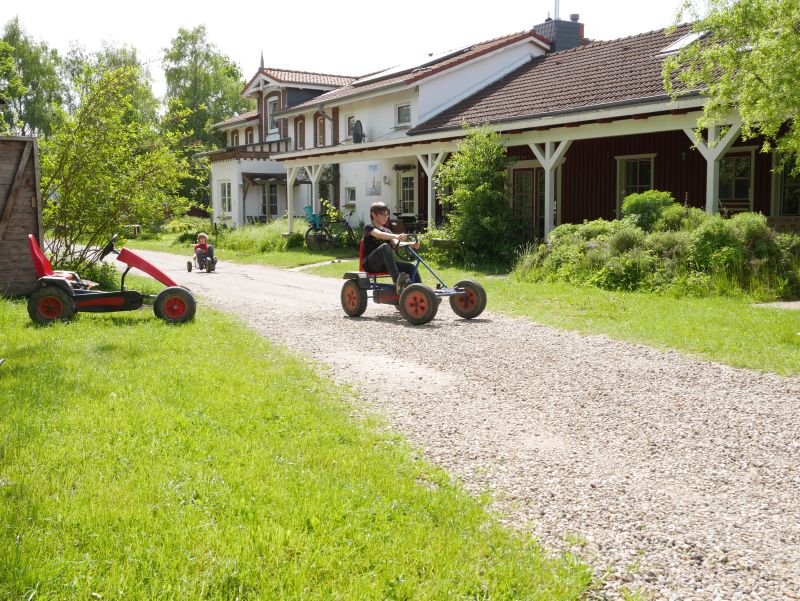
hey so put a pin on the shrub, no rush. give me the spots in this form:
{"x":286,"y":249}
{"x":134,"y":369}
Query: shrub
{"x":755,"y":235}
{"x":187,"y":228}
{"x":626,"y":271}
{"x":669,"y":244}
{"x":625,"y":239}
{"x":708,"y":240}
{"x":646,"y":207}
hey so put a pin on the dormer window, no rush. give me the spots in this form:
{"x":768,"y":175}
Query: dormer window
{"x":682,"y":42}
{"x":234,"y":137}
{"x":403,"y":115}
{"x":272,"y":108}
{"x":248,"y":135}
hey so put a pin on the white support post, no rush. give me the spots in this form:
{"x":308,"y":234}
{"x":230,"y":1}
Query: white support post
{"x":712,"y":150}
{"x":430,"y":164}
{"x":550,"y":157}
{"x":291,"y":176}
{"x":314,"y":173}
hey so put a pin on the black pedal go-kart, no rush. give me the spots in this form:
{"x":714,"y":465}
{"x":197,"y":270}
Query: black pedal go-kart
{"x":418,"y":303}
{"x":61,"y":294}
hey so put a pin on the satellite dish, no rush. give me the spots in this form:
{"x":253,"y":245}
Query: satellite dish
{"x":358,"y":132}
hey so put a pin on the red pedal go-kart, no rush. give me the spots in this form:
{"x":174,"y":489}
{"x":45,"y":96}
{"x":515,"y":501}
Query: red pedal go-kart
{"x":61,"y":294}
{"x":418,"y":303}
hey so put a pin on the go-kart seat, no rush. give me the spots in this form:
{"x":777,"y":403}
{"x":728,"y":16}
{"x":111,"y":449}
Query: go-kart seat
{"x":43,"y":268}
{"x":372,"y":274}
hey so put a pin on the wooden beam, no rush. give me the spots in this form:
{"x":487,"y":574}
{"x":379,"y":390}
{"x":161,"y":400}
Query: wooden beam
{"x":15,"y":187}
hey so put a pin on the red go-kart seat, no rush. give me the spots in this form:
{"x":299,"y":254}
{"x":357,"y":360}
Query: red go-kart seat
{"x":42,"y":265}
{"x":361,"y":267}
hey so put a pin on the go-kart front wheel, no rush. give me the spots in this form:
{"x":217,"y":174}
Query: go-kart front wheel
{"x":418,"y":304}
{"x":49,"y":304}
{"x":471,"y":303}
{"x":189,"y":266}
{"x":175,"y":305}
{"x":354,"y":298}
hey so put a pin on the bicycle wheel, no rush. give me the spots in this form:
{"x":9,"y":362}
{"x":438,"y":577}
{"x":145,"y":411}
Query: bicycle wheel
{"x":317,"y":239}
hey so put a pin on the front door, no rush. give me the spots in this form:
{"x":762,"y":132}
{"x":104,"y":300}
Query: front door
{"x":528,"y":200}
{"x":407,"y":195}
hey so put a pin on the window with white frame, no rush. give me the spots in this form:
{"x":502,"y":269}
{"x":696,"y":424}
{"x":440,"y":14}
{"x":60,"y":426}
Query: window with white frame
{"x":300,"y":133}
{"x":225,"y":196}
{"x":234,"y":137}
{"x":349,"y":196}
{"x":634,"y":175}
{"x":273,"y":200}
{"x":320,"y":141}
{"x":735,"y":182}
{"x":407,"y":197}
{"x":789,"y":191}
{"x":350,"y":124}
{"x":272,"y":108}
{"x":248,"y":135}
{"x":402,"y":115}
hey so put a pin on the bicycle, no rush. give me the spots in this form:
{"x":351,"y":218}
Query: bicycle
{"x":322,"y":232}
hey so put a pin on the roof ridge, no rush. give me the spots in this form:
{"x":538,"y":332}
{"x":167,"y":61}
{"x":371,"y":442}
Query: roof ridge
{"x":305,"y":72}
{"x":596,"y":43}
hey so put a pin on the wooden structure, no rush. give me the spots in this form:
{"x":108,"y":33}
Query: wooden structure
{"x":20,"y":213}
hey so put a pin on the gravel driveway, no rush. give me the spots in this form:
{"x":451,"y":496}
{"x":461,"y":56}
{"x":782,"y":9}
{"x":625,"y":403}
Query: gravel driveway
{"x":667,"y":474}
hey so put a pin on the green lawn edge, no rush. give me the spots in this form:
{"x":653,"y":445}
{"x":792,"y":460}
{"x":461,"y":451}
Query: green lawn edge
{"x":136,"y":462}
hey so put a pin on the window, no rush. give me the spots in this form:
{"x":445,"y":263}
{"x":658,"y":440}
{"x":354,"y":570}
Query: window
{"x":234,"y":137}
{"x":349,"y":196}
{"x":403,"y":114}
{"x":299,"y":133}
{"x":350,"y":121}
{"x":273,"y":200}
{"x":272,"y":108}
{"x":634,"y":175}
{"x":320,"y":141}
{"x":735,"y":178}
{"x":225,"y":196}
{"x":408,"y":197}
{"x":790,"y":191}
{"x":248,"y":135}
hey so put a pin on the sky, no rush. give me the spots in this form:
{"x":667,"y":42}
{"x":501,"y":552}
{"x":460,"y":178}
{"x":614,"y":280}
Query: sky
{"x":348,"y":37}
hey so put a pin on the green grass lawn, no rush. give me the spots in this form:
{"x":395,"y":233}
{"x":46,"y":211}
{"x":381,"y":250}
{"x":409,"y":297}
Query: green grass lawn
{"x":135,"y":463}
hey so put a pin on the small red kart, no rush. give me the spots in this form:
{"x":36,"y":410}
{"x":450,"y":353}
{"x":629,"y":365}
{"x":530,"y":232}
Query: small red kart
{"x":61,"y":294}
{"x":418,"y":303}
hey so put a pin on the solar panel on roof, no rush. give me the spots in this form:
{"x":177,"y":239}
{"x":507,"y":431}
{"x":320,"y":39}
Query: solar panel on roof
{"x":431,"y":59}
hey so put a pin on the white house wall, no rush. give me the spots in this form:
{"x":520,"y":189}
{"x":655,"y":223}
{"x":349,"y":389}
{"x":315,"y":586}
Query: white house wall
{"x":442,"y":91}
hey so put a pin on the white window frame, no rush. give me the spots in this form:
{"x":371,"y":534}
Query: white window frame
{"x":397,"y":121}
{"x":225,"y":201}
{"x":400,"y":200}
{"x":621,"y":160}
{"x":272,"y":121}
{"x":735,"y":151}
{"x":349,"y":123}
{"x":777,"y":187}
{"x":321,"y":138}
{"x":349,"y":196}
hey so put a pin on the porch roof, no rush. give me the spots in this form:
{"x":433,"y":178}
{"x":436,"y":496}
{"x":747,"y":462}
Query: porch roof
{"x":599,"y":74}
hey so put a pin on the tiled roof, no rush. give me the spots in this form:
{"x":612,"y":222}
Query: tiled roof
{"x":303,"y":77}
{"x":597,"y":74}
{"x":238,"y":119}
{"x":415,"y":74}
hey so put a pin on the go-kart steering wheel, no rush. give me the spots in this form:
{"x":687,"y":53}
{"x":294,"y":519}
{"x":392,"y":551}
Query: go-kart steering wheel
{"x":400,"y":247}
{"x":108,"y":248}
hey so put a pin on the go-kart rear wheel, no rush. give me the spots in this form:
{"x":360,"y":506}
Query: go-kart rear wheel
{"x":175,"y":305}
{"x":418,"y":304}
{"x":189,"y":266}
{"x":209,"y":266}
{"x":472,"y":302}
{"x":49,"y":304}
{"x":354,"y":298}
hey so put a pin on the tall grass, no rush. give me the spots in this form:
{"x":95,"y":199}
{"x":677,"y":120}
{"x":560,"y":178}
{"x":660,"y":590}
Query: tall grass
{"x":145,"y":461}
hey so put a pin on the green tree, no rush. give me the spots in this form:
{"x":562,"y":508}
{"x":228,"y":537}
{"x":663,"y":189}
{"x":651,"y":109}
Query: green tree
{"x":32,"y":110}
{"x":748,"y":61}
{"x":203,"y":87}
{"x":102,"y":171}
{"x":145,"y":106}
{"x":10,"y":83}
{"x":473,"y":182}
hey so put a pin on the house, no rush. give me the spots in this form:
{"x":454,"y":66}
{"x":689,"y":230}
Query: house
{"x":247,"y":185}
{"x":587,"y":122}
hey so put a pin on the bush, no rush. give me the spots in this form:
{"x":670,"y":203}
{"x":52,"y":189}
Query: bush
{"x":625,"y":239}
{"x":187,"y":228}
{"x":714,"y":241}
{"x":669,"y":244}
{"x":646,"y":208}
{"x":626,"y":271}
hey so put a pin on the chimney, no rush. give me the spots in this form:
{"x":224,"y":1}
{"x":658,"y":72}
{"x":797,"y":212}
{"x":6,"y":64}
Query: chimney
{"x":563,"y":35}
